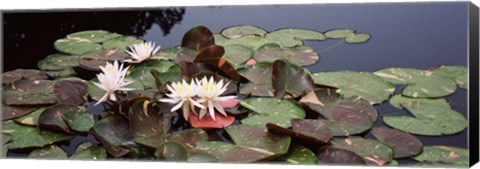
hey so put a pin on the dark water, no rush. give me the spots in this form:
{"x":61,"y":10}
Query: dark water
{"x":418,"y":35}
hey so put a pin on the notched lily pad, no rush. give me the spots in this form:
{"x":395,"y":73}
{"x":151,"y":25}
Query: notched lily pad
{"x":319,"y":135}
{"x":29,"y":92}
{"x":357,"y":38}
{"x":79,"y":120}
{"x":52,"y":118}
{"x":372,"y":151}
{"x":431,"y":86}
{"x":444,"y":155}
{"x":28,"y":137}
{"x":270,"y":110}
{"x":299,"y":55}
{"x":114,"y":130}
{"x":291,"y":37}
{"x":402,"y":143}
{"x":339,"y":33}
{"x":237,"y":54}
{"x":50,"y":152}
{"x":76,"y":46}
{"x":260,"y":77}
{"x":458,"y":73}
{"x":242,"y":30}
{"x":291,"y":79}
{"x":96,"y":36}
{"x":400,"y":101}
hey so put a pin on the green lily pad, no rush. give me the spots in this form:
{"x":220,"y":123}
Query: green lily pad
{"x":291,"y":79}
{"x":50,"y":152}
{"x":402,"y":143}
{"x":339,"y":33}
{"x":76,"y":46}
{"x":79,"y":120}
{"x":200,"y":156}
{"x":291,"y":37}
{"x":198,"y":38}
{"x":96,"y":93}
{"x":188,"y":138}
{"x":299,"y":55}
{"x":141,"y":72}
{"x":330,"y":155}
{"x":172,"y":151}
{"x":61,"y":73}
{"x":88,"y":151}
{"x":300,"y":134}
{"x":400,"y":101}
{"x":226,"y":152}
{"x":444,"y":155}
{"x":242,"y":30}
{"x":167,"y":53}
{"x":357,"y":38}
{"x":372,"y":151}
{"x":29,"y":92}
{"x":260,"y":77}
{"x":220,"y":39}
{"x":114,"y":130}
{"x":147,"y":123}
{"x":28,"y":137}
{"x":71,"y":92}
{"x":53,"y":118}
{"x":31,"y":119}
{"x":366,"y":85}
{"x":458,"y":73}
{"x":3,"y":149}
{"x":96,"y":36}
{"x":18,"y":74}
{"x":429,"y":119}
{"x":433,"y":86}
{"x":237,"y":54}
{"x":120,"y":43}
{"x":401,"y":75}
{"x":93,"y":61}
{"x":11,"y":112}
{"x":56,"y":62}
{"x":299,"y":154}
{"x":270,"y":110}
{"x":251,"y":41}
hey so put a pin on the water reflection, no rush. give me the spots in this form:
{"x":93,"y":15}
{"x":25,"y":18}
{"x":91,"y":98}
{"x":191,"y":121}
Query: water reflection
{"x":50,"y":26}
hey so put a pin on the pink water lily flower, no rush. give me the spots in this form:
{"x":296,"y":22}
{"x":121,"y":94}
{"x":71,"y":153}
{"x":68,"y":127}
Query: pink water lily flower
{"x":142,"y":51}
{"x":112,"y":79}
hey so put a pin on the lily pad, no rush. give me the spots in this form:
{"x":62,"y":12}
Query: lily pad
{"x":260,"y":77}
{"x":433,"y":86}
{"x":18,"y":74}
{"x":28,"y":137}
{"x":61,"y":73}
{"x":114,"y":130}
{"x":401,"y":75}
{"x":96,"y":36}
{"x":56,"y":62}
{"x":88,"y":151}
{"x":330,"y":155}
{"x":50,"y":152}
{"x":270,"y":110}
{"x":291,"y":37}
{"x":167,"y":53}
{"x":402,"y":143}
{"x":189,"y":138}
{"x":79,"y":120}
{"x":312,"y":128}
{"x":147,"y":123}
{"x":141,"y":72}
{"x":52,"y":118}
{"x":198,"y":38}
{"x":357,"y":38}
{"x":120,"y":43}
{"x":301,"y":134}
{"x":93,"y":61}
{"x":242,"y":30}
{"x":339,"y":33}
{"x":31,"y":119}
{"x":299,"y":154}
{"x":3,"y":149}
{"x":251,"y":41}
{"x":429,"y":119}
{"x":444,"y":155}
{"x":299,"y":55}
{"x":366,"y":85}
{"x":76,"y":46}
{"x":458,"y":73}
{"x":226,"y":152}
{"x":29,"y":92}
{"x":237,"y":54}
{"x":71,"y":92}
{"x":400,"y":101}
{"x":372,"y":151}
{"x":291,"y":79}
{"x":11,"y":112}
{"x":172,"y":151}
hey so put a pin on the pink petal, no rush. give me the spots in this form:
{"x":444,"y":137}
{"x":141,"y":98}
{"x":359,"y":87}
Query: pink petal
{"x":251,"y":62}
{"x":228,"y":103}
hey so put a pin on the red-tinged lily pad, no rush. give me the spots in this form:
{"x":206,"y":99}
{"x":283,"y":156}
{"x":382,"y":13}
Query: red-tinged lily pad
{"x":11,"y":112}
{"x":188,"y":138}
{"x":172,"y":151}
{"x":93,"y":61}
{"x":206,"y":122}
{"x":23,"y":136}
{"x":260,"y":77}
{"x":444,"y":155}
{"x":57,"y":62}
{"x":114,"y":130}
{"x":212,"y":56}
{"x":147,"y":123}
{"x":31,"y":119}
{"x":330,"y":155}
{"x":29,"y":74}
{"x":52,"y":118}
{"x":312,"y":128}
{"x":271,"y":110}
{"x":402,"y":143}
{"x":322,"y":137}
{"x":291,"y":79}
{"x":229,"y":103}
{"x":29,"y":92}
{"x":88,"y":151}
{"x":198,"y":38}
{"x":50,"y":152}
{"x":372,"y":151}
{"x":298,"y":55}
{"x":71,"y":92}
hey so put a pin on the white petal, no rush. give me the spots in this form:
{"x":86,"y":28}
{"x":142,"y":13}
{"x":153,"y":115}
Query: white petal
{"x":211,"y":111}
{"x":196,"y":103}
{"x":219,"y":108}
{"x":172,"y":101}
{"x":225,"y":98}
{"x":103,"y":99}
{"x":176,"y":107}
{"x":203,"y":112}
{"x":186,"y":111}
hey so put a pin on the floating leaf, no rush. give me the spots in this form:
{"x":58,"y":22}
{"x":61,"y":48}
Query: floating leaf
{"x":226,"y":152}
{"x":291,"y":37}
{"x":291,"y":79}
{"x":141,"y":72}
{"x":237,"y":54}
{"x":57,"y":62}
{"x":372,"y":151}
{"x":299,"y":154}
{"x":167,"y":53}
{"x":61,"y":73}
{"x":299,"y":55}
{"x":76,"y":46}
{"x":433,"y":86}
{"x":198,"y":156}
{"x":32,"y":118}
{"x":357,"y":38}
{"x":251,"y":41}
{"x":93,"y":61}
{"x":147,"y":123}
{"x":79,"y":120}
{"x":18,"y":74}
{"x":11,"y":112}
{"x":430,"y":119}
{"x":270,"y":110}
{"x":220,"y":39}
{"x":188,"y":137}
{"x":120,"y":43}
{"x":50,"y":152}
{"x":27,"y":137}
{"x":3,"y":149}
{"x":444,"y":155}
{"x":198,"y":38}
{"x":87,"y":151}
{"x":312,"y":128}
{"x":339,"y":33}
{"x":96,"y":36}
{"x":172,"y":151}
{"x":400,"y":101}
{"x":301,"y":134}
{"x":330,"y":155}
{"x":71,"y":92}
{"x":96,"y":93}
{"x":212,"y":56}
{"x":29,"y":92}
{"x":401,"y":75}
{"x":242,"y":30}
{"x":260,"y":77}
{"x":458,"y":73}
{"x":402,"y":143}
{"x":114,"y":130}
{"x":206,"y":122}
{"x":52,"y":118}
{"x":363,"y":84}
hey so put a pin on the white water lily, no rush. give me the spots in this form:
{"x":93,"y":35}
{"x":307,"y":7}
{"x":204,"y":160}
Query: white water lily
{"x":112,"y":79}
{"x":182,"y":94}
{"x":209,"y":93}
{"x":141,"y":52}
